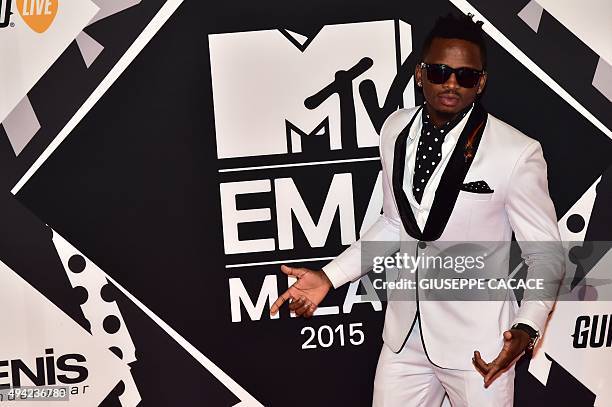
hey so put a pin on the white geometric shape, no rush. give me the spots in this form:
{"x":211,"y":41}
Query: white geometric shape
{"x":408,"y":96}
{"x":405,"y":47}
{"x":539,"y":367}
{"x":247,"y":403}
{"x":90,"y":48}
{"x":405,"y":41}
{"x":582,"y":207}
{"x":156,"y":23}
{"x":554,"y":343}
{"x":110,"y":7}
{"x":225,"y":379}
{"x":531,"y":14}
{"x":296,"y":141}
{"x":36,"y":324}
{"x":502,"y":40}
{"x":602,"y":80}
{"x":26,"y":54}
{"x":130,"y":396}
{"x":95,"y":309}
{"x":299,"y":38}
{"x":589,"y":365}
{"x":21,"y":125}
{"x":591,"y":21}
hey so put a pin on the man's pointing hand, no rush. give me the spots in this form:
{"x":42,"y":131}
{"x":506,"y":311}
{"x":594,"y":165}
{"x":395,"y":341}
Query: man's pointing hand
{"x":306,"y":293}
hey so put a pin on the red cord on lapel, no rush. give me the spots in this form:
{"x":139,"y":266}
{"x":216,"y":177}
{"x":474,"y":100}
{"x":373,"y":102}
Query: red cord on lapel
{"x":469,"y":144}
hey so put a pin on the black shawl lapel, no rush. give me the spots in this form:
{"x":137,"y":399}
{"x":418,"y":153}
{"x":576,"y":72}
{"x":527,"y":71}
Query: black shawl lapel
{"x":450,"y":183}
{"x":399,"y":161}
{"x":454,"y":174}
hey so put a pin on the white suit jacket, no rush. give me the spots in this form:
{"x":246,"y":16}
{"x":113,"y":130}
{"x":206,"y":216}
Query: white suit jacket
{"x":513,"y":165}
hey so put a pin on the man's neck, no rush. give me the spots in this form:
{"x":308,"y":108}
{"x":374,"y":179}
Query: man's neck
{"x":439,"y":119}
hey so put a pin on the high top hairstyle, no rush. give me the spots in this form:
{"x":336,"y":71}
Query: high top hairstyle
{"x":462,"y":27}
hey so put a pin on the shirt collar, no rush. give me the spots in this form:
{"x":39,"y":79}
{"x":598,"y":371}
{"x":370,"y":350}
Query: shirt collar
{"x":448,"y":126}
{"x":418,"y":126}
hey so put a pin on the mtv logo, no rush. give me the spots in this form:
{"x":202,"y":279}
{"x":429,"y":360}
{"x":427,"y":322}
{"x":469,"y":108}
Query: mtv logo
{"x":5,"y":13}
{"x":262,"y":82}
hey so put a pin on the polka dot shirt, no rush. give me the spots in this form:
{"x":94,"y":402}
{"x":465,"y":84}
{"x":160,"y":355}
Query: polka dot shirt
{"x":429,"y":151}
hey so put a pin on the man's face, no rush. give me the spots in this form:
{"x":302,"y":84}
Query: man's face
{"x":449,"y":98}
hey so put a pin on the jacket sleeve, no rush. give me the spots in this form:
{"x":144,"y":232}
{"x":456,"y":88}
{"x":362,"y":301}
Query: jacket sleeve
{"x":348,"y":265}
{"x":533,"y":218}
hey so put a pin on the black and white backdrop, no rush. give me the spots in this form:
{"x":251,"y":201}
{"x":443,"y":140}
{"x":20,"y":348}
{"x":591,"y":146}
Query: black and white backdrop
{"x":159,"y":160}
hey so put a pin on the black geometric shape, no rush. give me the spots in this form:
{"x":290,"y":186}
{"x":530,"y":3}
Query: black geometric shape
{"x":120,"y":387}
{"x":116,"y":351}
{"x":156,"y":351}
{"x":575,"y":223}
{"x":561,"y":389}
{"x":112,"y":398}
{"x":108,"y":292}
{"x":111,"y":324}
{"x":601,"y":216}
{"x":26,"y":247}
{"x":82,"y":294}
{"x":76,"y":263}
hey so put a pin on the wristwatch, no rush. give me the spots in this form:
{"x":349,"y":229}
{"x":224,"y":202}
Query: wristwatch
{"x":533,"y":334}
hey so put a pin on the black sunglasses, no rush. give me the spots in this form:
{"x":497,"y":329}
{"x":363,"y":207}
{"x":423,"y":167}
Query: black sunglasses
{"x":439,"y":74}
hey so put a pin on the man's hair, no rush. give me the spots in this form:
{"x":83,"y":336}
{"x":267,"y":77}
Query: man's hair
{"x":461,"y":27}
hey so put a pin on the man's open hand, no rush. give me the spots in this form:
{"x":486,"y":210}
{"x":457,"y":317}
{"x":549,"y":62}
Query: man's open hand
{"x":515,"y":342}
{"x":306,"y":293}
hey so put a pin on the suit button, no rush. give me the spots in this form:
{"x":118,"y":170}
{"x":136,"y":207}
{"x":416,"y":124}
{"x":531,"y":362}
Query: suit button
{"x":422,"y":245}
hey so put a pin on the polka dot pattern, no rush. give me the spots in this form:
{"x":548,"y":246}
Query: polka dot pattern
{"x":480,"y":187}
{"x":116,"y":351}
{"x":76,"y":263}
{"x":111,"y":324}
{"x":119,"y":388}
{"x":81,"y":294}
{"x":575,"y":223}
{"x":107,"y":292}
{"x":429,"y":151}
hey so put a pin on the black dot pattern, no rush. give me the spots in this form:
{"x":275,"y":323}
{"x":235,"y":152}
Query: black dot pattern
{"x":116,"y":351}
{"x":429,"y":150}
{"x":575,"y":223}
{"x":120,"y":388}
{"x":81,"y":294}
{"x":107,"y":292}
{"x":111,"y":324}
{"x":76,"y":263}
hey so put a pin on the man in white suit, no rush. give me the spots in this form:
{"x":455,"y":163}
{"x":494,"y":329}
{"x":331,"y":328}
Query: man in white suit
{"x":451,"y":172}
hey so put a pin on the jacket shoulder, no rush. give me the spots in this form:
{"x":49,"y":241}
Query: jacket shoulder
{"x":395,"y":123}
{"x":507,"y":136}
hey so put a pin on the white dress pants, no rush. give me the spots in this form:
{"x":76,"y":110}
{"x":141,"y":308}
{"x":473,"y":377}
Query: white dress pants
{"x":408,"y":379}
